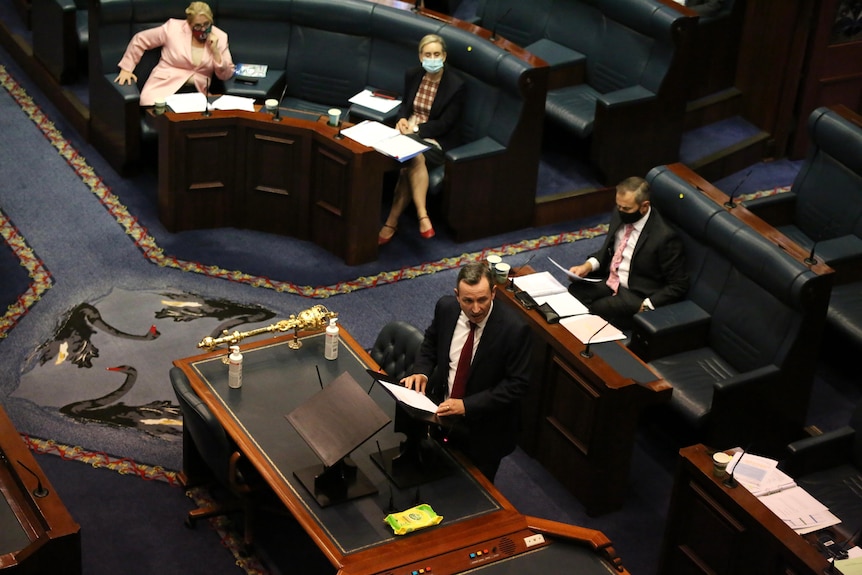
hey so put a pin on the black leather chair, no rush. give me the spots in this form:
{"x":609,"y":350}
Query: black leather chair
{"x":619,"y":73}
{"x":396,"y":347}
{"x":822,"y":212}
{"x":218,"y":452}
{"x":61,"y":37}
{"x":738,"y":349}
{"x":829,"y":467}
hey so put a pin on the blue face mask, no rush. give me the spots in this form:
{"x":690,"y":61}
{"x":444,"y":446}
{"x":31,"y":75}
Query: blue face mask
{"x":432,"y":65}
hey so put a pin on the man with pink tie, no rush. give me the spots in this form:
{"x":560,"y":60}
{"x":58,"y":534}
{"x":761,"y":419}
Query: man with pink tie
{"x":641,"y":262}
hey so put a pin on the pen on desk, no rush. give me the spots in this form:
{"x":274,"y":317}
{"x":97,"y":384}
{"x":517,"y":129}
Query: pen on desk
{"x":383,"y":95}
{"x":320,"y":379}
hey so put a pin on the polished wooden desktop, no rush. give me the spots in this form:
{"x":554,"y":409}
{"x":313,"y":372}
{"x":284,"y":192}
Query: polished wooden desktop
{"x":37,"y":533}
{"x":352,"y":535}
{"x":581,"y":416}
{"x":295,"y":176}
{"x":712,"y":528}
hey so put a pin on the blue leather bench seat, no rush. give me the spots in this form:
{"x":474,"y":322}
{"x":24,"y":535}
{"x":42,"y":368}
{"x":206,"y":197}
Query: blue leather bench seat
{"x":627,"y":91}
{"x":737,"y":351}
{"x":823,"y":211}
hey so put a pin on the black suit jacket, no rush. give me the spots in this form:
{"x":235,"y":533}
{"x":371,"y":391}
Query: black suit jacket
{"x":499,"y":375}
{"x":444,"y":120}
{"x":658,"y":262}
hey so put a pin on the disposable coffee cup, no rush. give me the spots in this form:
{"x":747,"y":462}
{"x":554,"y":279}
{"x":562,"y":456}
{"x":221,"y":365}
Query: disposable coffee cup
{"x":334,"y":117}
{"x":719,"y":463}
{"x":502,"y":272}
{"x":159,"y":106}
{"x":271,"y":105}
{"x":493,"y":261}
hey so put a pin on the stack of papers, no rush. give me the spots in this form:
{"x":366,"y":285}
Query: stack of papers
{"x":565,"y":304}
{"x":385,"y":140}
{"x":539,"y":284}
{"x":591,"y":329}
{"x":228,"y":102}
{"x":779,"y":492}
{"x":188,"y":102}
{"x":367,"y":99}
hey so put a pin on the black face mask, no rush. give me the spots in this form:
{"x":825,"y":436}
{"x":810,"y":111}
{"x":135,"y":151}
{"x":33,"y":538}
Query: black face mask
{"x":630,"y":217}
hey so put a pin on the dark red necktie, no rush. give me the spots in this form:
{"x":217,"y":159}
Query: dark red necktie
{"x":459,"y":386}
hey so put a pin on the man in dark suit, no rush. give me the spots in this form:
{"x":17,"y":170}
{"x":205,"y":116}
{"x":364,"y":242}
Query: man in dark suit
{"x":641,"y":263}
{"x":483,"y":402}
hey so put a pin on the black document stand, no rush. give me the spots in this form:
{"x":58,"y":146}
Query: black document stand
{"x":419,"y":459}
{"x":334,"y":422}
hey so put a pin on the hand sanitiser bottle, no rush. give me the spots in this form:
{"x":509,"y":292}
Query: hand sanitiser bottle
{"x":330,"y":346}
{"x":234,"y":370}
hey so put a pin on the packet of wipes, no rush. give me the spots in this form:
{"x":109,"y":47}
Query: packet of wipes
{"x":412,"y":519}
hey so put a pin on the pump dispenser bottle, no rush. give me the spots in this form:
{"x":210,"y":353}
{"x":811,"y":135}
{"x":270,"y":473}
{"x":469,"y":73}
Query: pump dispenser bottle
{"x":234,"y":370}
{"x":330,"y":345}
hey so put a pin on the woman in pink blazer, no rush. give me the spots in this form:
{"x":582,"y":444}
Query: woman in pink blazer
{"x":192,"y":49}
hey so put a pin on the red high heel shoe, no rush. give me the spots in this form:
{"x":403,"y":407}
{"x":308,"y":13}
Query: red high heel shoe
{"x":429,"y":233}
{"x":381,"y":241}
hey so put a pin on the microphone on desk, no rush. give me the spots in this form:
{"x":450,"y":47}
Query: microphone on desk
{"x":586,"y":353}
{"x":841,"y":552}
{"x":511,"y":285}
{"x":206,"y":111}
{"x":40,"y":490}
{"x":277,"y":116}
{"x":731,"y":482}
{"x":320,"y":379}
{"x":729,"y":203}
{"x":811,"y":260}
{"x":417,"y":5}
{"x":493,"y":37}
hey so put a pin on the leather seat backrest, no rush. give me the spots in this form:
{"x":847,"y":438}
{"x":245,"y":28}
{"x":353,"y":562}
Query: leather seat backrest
{"x":205,"y":430}
{"x":518,"y":21}
{"x":395,"y":45}
{"x":396,"y":347}
{"x":258,"y":30}
{"x":318,"y":66}
{"x":828,"y":186}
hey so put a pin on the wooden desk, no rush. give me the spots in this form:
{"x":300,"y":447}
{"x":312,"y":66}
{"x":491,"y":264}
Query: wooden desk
{"x":292,"y":177}
{"x":37,"y":534}
{"x":581,"y":415}
{"x":714,"y":529}
{"x":352,"y":535}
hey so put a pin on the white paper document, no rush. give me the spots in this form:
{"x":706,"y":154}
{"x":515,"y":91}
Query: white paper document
{"x":539,"y":284}
{"x":367,"y":99}
{"x":572,"y":276}
{"x":228,"y":102}
{"x":385,"y":140}
{"x":799,"y":510}
{"x":565,"y":304}
{"x":758,"y":474}
{"x":591,"y":329}
{"x":189,"y":102}
{"x":410,"y":397}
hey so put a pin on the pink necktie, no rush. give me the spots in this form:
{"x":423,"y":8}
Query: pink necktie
{"x":614,"y":278}
{"x":459,"y":385}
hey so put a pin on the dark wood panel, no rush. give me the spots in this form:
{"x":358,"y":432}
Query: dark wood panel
{"x":275,"y":197}
{"x":50,"y":536}
{"x":715,"y":529}
{"x":581,"y":415}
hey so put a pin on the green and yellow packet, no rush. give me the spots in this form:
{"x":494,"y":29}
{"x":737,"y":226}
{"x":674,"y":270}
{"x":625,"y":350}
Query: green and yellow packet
{"x":412,"y":519}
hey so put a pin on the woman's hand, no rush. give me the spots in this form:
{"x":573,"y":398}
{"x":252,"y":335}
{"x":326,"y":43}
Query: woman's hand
{"x":126,"y":77}
{"x":212,"y":43}
{"x":403,"y":126}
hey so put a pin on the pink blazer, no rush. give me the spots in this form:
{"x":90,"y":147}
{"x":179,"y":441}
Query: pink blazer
{"x":176,"y":64}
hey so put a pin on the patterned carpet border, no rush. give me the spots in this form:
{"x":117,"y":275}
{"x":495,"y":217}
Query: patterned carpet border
{"x":226,"y":529}
{"x":36,"y":270}
{"x":101,"y":460}
{"x":147,"y":244}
